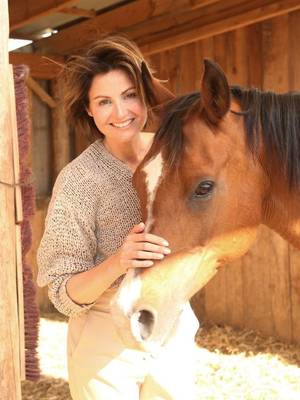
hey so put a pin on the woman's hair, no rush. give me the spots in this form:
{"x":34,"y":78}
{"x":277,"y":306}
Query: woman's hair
{"x":107,"y":54}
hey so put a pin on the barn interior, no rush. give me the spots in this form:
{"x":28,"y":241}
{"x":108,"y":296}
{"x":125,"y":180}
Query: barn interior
{"x":257,"y":45}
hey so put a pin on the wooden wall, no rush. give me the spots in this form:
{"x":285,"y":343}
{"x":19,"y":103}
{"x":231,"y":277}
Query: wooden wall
{"x":262,"y":290}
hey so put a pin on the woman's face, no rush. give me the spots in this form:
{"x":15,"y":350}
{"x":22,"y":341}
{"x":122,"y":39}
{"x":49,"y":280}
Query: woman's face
{"x":115,"y":106}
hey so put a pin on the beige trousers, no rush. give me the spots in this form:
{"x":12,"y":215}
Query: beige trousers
{"x":100,"y":367}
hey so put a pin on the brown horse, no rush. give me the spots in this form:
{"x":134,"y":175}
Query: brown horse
{"x":223,"y":162}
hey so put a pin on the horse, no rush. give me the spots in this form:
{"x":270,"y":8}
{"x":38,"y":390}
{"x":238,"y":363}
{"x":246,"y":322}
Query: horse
{"x":223,"y":161}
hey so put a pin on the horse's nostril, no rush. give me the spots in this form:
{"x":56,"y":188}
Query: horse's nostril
{"x":143,"y":321}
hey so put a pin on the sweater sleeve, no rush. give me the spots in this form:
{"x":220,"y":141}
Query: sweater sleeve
{"x":69,"y":242}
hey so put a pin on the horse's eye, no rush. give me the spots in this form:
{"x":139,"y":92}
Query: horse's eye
{"x":204,"y":189}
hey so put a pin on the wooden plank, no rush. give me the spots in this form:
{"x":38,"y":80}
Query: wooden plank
{"x":276,"y":78}
{"x":255,"y":55}
{"x":80,"y":12}
{"x":40,"y":67}
{"x":172,"y":70}
{"x":60,"y":132}
{"x":275,"y":60}
{"x":80,"y":35}
{"x":188,"y":68}
{"x":236,"y":51}
{"x":9,"y":333}
{"x":201,"y":3}
{"x":40,"y":92}
{"x":179,"y":19}
{"x":38,"y":224}
{"x":223,"y":25}
{"x":24,"y":12}
{"x":294,"y":255}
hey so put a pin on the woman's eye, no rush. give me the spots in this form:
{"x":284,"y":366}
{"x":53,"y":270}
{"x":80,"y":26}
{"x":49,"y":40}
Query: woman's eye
{"x":204,"y":189}
{"x":131,"y":95}
{"x":103,"y":102}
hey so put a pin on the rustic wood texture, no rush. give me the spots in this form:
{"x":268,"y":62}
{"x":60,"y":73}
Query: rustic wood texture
{"x":41,"y":143}
{"x":40,"y":67}
{"x":22,"y":12}
{"x":37,"y":224}
{"x":60,"y":133}
{"x":9,"y":324}
{"x":40,"y":92}
{"x":261,"y":291}
{"x":162,"y":25}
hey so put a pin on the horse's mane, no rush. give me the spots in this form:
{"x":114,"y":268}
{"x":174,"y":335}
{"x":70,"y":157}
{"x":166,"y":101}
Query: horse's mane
{"x":273,"y":117}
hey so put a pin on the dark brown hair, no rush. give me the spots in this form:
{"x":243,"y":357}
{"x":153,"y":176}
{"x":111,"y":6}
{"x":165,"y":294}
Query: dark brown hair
{"x":104,"y":55}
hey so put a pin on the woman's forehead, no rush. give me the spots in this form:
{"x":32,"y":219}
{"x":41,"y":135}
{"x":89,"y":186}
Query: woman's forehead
{"x":107,"y":84}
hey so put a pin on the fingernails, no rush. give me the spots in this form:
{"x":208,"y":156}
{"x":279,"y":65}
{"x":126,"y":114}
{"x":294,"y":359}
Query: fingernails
{"x":165,"y":243}
{"x":167,"y":251}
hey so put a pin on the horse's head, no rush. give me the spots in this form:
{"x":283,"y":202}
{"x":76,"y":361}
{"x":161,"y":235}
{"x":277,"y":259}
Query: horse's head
{"x":200,"y":188}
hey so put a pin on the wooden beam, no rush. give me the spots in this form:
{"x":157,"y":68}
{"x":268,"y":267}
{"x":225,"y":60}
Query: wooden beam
{"x":9,"y":325}
{"x":224,"y":25}
{"x":80,"y":35}
{"x":40,"y":67}
{"x":40,"y":92}
{"x":179,"y":20}
{"x":24,"y":12}
{"x":201,"y":3}
{"x":79,"y":12}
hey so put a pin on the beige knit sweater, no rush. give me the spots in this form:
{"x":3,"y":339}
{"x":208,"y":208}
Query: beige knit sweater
{"x":92,"y":209}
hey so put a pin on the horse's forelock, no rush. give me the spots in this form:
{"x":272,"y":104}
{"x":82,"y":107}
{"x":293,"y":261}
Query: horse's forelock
{"x":169,"y":137}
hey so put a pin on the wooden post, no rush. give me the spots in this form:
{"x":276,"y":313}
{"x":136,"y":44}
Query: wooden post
{"x":60,"y":132}
{"x":10,"y":386}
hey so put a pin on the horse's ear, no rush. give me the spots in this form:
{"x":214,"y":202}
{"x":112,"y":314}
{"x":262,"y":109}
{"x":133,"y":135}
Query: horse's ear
{"x":156,"y":92}
{"x":215,"y":92}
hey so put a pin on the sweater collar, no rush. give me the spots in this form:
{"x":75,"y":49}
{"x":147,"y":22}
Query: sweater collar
{"x":123,"y":168}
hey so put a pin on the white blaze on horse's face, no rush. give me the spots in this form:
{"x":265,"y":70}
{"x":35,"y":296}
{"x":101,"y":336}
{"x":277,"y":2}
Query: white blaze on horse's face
{"x":153,"y":171}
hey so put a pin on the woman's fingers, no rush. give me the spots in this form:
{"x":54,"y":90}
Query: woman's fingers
{"x":138,"y":228}
{"x":147,"y":255}
{"x":150,"y":247}
{"x":141,"y":249}
{"x":141,"y":263}
{"x":149,"y":237}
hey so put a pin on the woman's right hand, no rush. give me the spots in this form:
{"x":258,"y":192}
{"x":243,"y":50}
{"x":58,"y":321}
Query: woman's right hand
{"x":140,"y":249}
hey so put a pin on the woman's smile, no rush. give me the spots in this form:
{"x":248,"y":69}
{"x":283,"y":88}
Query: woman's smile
{"x":123,"y":124}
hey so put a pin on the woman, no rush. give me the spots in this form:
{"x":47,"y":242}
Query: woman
{"x":93,"y":230}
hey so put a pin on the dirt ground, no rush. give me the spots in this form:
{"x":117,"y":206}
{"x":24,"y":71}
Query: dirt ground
{"x":232,"y":365}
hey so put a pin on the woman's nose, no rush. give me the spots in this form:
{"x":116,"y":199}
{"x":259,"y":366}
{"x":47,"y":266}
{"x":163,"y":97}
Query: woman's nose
{"x":119,"y":110}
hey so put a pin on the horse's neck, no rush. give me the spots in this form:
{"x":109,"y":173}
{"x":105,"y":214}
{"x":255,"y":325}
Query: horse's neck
{"x":282,"y":214}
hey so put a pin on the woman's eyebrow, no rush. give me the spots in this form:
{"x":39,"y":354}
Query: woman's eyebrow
{"x":108,"y":97}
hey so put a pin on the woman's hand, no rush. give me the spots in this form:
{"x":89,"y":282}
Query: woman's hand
{"x":140,"y":249}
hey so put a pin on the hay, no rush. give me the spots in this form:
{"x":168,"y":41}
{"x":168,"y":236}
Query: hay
{"x":243,"y":365}
{"x":232,"y":365}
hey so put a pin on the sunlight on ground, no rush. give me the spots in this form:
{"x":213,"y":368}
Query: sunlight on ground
{"x":232,"y":365}
{"x":53,"y":360}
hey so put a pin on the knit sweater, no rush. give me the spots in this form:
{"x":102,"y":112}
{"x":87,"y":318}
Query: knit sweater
{"x":93,"y":207}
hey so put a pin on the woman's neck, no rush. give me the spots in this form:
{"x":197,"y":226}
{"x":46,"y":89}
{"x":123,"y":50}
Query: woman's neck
{"x":131,"y":153}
